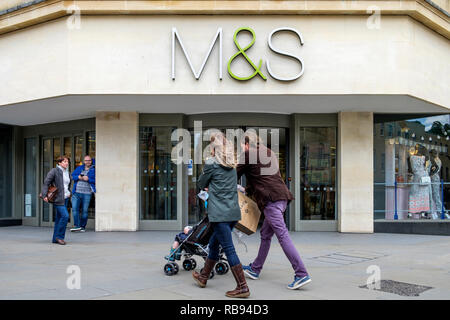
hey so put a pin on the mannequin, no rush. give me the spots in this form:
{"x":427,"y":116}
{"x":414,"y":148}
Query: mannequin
{"x":419,"y":194}
{"x":435,"y":168}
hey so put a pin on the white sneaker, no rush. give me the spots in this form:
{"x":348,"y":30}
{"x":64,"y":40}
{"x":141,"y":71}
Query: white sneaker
{"x":83,"y":230}
{"x":76,"y":229}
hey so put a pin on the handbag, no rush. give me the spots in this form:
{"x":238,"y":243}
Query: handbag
{"x":51,"y":193}
{"x":425,"y":180}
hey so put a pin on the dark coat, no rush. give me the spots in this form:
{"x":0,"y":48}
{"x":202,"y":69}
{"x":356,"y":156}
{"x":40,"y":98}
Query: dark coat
{"x":223,"y":203}
{"x":263,"y":187}
{"x":55,"y":177}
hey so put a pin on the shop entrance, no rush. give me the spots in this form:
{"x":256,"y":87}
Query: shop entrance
{"x":196,"y":208}
{"x":40,"y":157}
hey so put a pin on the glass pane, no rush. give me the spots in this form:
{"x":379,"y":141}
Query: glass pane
{"x":158,"y":174}
{"x":281,"y":145}
{"x":68,"y":147}
{"x":56,"y":150}
{"x":5,"y":172}
{"x":30,"y":177}
{"x":196,"y":206}
{"x":46,"y":166}
{"x":91,"y":144}
{"x":78,"y":160}
{"x":91,"y":152}
{"x":56,"y":154}
{"x":411,"y":169}
{"x":318,"y":173}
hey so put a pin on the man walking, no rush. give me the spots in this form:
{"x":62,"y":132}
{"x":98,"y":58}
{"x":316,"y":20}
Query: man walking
{"x":84,"y":187}
{"x":264,"y":182}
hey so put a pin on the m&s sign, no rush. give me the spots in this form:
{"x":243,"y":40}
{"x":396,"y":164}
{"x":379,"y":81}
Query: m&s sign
{"x":241,"y":52}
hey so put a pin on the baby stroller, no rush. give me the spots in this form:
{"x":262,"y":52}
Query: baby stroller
{"x":195,"y":244}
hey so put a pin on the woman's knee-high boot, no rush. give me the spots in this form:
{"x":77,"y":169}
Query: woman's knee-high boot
{"x":202,"y":277}
{"x":241,"y":290}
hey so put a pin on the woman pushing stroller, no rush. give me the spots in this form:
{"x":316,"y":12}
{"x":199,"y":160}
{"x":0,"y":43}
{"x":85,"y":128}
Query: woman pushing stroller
{"x":220,"y":178}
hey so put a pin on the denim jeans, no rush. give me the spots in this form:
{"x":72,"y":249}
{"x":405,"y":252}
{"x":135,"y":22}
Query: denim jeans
{"x":80,"y":200}
{"x":61,"y":218}
{"x":222,"y":235}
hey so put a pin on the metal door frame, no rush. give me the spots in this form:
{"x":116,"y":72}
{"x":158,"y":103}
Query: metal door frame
{"x":162,"y":120}
{"x":311,"y":121}
{"x":72,"y":166}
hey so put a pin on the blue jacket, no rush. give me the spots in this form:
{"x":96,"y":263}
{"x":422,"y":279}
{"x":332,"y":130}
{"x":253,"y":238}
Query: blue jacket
{"x":91,"y":176}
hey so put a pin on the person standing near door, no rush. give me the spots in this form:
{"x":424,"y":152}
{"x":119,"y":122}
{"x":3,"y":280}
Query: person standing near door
{"x":265,"y":184}
{"x":60,"y":178}
{"x":83,"y":188}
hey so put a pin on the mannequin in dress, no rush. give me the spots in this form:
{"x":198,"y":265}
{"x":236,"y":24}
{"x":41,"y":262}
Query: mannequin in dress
{"x":419,"y":194}
{"x":435,"y":168}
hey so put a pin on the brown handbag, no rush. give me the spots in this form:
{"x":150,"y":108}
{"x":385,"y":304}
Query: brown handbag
{"x":51,"y":194}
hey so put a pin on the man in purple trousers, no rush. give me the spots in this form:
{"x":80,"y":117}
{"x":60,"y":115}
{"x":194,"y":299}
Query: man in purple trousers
{"x":260,"y":167}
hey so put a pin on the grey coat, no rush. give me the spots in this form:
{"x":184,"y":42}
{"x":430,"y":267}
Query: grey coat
{"x":55,"y":177}
{"x":223,"y":204}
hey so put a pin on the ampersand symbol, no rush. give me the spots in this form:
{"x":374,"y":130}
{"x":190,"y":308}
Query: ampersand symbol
{"x":242,"y":51}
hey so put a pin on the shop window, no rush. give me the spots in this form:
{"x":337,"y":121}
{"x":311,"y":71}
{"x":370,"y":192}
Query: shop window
{"x":413,"y":171}
{"x":6,"y":138}
{"x":390,"y":130}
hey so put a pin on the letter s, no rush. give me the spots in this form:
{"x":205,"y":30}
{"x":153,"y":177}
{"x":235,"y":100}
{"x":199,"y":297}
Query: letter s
{"x":285,"y":54}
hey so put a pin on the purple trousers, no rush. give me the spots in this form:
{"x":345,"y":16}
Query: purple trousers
{"x":274,"y":224}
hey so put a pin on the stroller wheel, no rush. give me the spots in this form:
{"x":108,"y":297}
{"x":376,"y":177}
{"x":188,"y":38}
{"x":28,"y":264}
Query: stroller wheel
{"x":221,"y":268}
{"x":227,"y":267}
{"x":175,"y":266}
{"x":187,"y":265}
{"x":194,"y":263}
{"x":169,"y":269}
{"x":211,"y":275}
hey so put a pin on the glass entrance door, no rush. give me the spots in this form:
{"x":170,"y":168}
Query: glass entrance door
{"x":195,"y":205}
{"x":318,"y":173}
{"x":52,"y":148}
{"x":30,"y":216}
{"x":158,"y":179}
{"x":46,"y":166}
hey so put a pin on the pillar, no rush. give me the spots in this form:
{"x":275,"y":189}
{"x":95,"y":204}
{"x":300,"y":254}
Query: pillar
{"x":355,"y":173}
{"x":117,"y":171}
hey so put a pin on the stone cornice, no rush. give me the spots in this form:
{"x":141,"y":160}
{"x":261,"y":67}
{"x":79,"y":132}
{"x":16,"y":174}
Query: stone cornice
{"x":420,"y":10}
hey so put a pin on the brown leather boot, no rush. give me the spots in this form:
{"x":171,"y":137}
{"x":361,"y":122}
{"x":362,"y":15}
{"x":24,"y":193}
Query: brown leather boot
{"x":241,"y":290}
{"x":202,"y":277}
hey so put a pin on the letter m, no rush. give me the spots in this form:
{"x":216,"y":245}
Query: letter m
{"x":176,"y":36}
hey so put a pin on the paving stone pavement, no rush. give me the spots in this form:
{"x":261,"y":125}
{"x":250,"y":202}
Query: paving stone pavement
{"x":129,"y":265}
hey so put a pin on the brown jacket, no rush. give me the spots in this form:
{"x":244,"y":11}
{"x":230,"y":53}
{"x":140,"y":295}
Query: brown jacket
{"x":264,"y":181}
